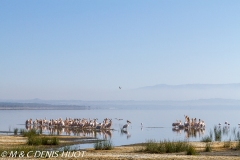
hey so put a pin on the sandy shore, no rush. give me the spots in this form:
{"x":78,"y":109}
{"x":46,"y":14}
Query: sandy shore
{"x":124,"y":152}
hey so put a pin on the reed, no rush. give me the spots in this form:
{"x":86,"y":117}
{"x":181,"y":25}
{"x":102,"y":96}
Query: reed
{"x":206,"y":139}
{"x":15,"y":131}
{"x":237,"y":136}
{"x":32,"y":132}
{"x":103,"y":145}
{"x":152,"y":146}
{"x":217,"y":133}
{"x":22,"y":131}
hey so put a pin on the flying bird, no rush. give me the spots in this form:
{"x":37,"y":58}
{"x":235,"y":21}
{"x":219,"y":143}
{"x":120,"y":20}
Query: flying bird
{"x":120,"y":87}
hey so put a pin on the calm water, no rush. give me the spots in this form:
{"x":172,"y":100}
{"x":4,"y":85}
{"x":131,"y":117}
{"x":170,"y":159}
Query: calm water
{"x":156,"y":122}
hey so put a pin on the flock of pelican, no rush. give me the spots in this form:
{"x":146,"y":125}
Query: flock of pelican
{"x":76,"y":123}
{"x":69,"y":122}
{"x":78,"y":127}
{"x":189,"y":123}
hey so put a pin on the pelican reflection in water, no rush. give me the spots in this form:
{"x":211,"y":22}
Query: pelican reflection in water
{"x":105,"y":134}
{"x":125,"y":132}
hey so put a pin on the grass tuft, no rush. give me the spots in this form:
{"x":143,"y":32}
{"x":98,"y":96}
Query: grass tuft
{"x":165,"y":146}
{"x":32,"y":132}
{"x":103,"y":145}
{"x":208,"y":147}
{"x":217,"y":133}
{"x":37,"y":140}
{"x":191,"y":150}
{"x":206,"y":139}
{"x":15,"y":131}
{"x":34,"y":138}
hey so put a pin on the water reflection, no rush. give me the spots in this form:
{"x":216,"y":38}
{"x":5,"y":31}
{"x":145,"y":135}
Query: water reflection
{"x":189,"y":132}
{"x":125,"y":132}
{"x":105,"y":134}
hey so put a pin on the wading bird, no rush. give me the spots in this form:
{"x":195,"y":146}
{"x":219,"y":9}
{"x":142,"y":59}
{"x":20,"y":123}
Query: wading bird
{"x":126,"y":125}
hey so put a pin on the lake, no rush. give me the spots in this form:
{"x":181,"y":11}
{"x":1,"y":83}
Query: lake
{"x":157,"y":122}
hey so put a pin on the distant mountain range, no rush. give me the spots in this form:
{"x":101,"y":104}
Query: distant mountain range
{"x":80,"y":105}
{"x":189,"y":91}
{"x":157,"y":95}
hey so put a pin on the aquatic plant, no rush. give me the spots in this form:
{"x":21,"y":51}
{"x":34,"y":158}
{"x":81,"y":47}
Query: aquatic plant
{"x":103,"y":145}
{"x":217,"y":133}
{"x":237,"y":136}
{"x":206,"y":139}
{"x":22,"y":131}
{"x":234,"y":131}
{"x":31,"y":132}
{"x":15,"y":131}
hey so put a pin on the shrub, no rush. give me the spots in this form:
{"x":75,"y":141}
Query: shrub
{"x":34,"y":140}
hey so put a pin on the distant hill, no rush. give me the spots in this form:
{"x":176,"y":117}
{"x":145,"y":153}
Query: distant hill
{"x":189,"y":91}
{"x":81,"y":105}
{"x":181,"y":94}
{"x":37,"y":106}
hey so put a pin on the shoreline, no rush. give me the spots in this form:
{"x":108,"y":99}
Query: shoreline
{"x":132,"y":151}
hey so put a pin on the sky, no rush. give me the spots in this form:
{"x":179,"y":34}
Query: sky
{"x":85,"y":50}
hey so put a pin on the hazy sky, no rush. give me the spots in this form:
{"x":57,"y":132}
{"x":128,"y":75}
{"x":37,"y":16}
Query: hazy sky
{"x":70,"y":49}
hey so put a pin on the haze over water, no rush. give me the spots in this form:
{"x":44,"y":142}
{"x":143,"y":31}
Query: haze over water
{"x":157,"y":122}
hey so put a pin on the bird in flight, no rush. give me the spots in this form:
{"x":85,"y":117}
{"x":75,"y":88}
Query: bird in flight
{"x":120,"y":87}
